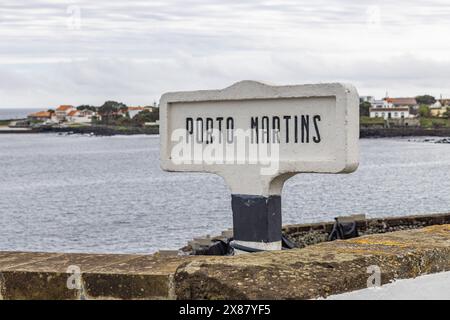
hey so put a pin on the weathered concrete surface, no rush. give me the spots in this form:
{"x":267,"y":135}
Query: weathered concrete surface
{"x":317,"y":270}
{"x":45,"y":276}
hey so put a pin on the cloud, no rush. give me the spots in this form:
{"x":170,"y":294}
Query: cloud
{"x":133,"y":51}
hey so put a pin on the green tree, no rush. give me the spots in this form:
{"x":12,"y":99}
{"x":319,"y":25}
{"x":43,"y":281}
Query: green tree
{"x":123,"y":108}
{"x":108,"y":111}
{"x":123,"y":121}
{"x":424,"y":111}
{"x":364,"y":109}
{"x":146,"y":116}
{"x":86,"y":107}
{"x":425,"y":99}
{"x":447,"y":113}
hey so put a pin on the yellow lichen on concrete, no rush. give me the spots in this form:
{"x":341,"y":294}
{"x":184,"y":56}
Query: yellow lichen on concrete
{"x":371,"y":241}
{"x":317,"y":270}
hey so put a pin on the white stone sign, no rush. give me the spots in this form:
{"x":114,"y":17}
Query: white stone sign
{"x":256,"y":136}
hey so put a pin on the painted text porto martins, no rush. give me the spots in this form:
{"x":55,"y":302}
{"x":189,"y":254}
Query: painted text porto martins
{"x":298,"y":128}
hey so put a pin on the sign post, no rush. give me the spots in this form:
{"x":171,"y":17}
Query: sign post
{"x":256,"y":136}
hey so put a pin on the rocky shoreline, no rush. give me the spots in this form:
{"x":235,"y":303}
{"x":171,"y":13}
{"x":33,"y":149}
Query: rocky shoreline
{"x":114,"y":130}
{"x":103,"y":130}
{"x":85,"y":130}
{"x":403,"y":132}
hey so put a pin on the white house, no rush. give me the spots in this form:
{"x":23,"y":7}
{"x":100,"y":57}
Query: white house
{"x":393,"y":108}
{"x":381,"y":104}
{"x":80,"y":116}
{"x":438,"y":111}
{"x":62,"y":112}
{"x":390,"y":113}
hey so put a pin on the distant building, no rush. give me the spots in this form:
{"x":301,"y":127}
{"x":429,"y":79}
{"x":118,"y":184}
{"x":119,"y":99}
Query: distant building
{"x":390,"y":113}
{"x":151,"y":108}
{"x":80,"y":116}
{"x":62,"y":112}
{"x":444,"y":102}
{"x":72,"y":115}
{"x":402,"y":102}
{"x":132,"y":111}
{"x":439,"y":108}
{"x":394,"y":103}
{"x":40,"y":116}
{"x":438,"y":111}
{"x":381,"y":104}
{"x":392,"y":108}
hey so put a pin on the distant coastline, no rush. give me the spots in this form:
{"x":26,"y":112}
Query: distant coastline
{"x":98,"y":130}
{"x":370,"y":128}
{"x":403,"y":132}
{"x":112,"y":118}
{"x":103,"y":130}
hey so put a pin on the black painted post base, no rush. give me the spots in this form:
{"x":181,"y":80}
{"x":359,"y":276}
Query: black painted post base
{"x":256,"y":222}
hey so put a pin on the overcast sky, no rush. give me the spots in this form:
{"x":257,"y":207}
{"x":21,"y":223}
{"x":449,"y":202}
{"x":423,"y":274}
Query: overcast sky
{"x":85,"y":52}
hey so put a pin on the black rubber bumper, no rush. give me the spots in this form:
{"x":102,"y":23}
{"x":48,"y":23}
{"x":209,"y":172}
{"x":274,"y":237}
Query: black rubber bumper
{"x":256,"y":218}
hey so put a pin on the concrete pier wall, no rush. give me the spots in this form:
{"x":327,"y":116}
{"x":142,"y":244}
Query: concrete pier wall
{"x":314,"y":271}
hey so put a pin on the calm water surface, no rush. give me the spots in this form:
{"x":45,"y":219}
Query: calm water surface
{"x":17,"y":113}
{"x":108,"y":194}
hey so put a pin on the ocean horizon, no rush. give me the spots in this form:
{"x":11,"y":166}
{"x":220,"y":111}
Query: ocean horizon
{"x":17,"y":113}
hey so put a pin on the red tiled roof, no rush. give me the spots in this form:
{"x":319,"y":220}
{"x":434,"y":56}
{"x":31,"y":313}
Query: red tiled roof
{"x":402,"y":101}
{"x":135,"y":108}
{"x":72,"y":113}
{"x":64,"y":108}
{"x":41,"y":114}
